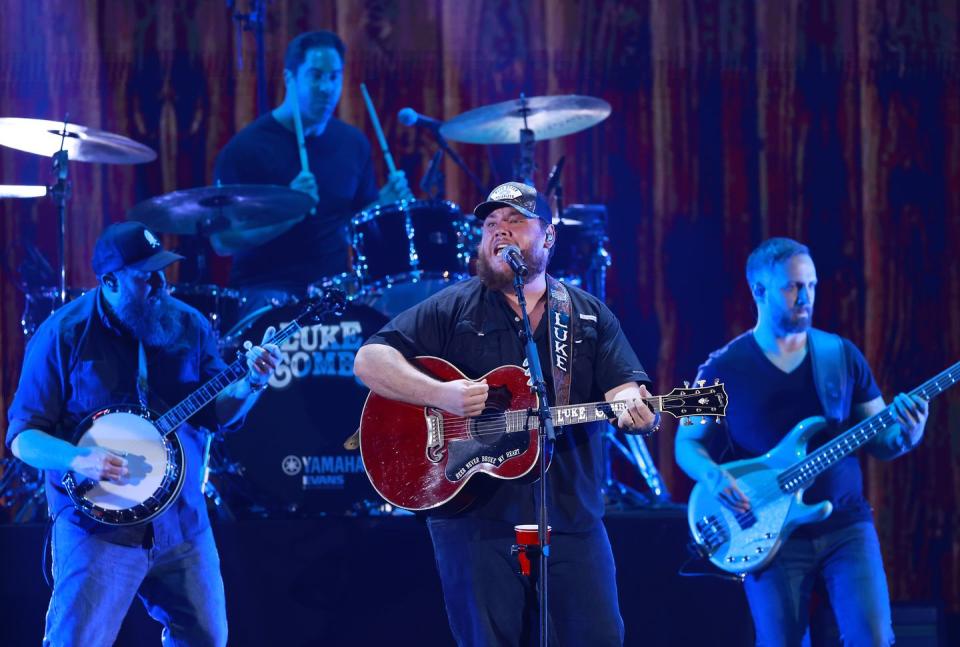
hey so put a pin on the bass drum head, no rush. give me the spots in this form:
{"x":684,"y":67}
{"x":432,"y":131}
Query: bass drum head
{"x":290,"y":448}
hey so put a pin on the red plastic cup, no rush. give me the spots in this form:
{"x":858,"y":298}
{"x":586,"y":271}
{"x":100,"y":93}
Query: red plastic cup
{"x":528,"y":543}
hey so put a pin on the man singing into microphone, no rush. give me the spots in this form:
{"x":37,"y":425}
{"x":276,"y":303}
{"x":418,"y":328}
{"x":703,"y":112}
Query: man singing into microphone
{"x":474,"y":325}
{"x":287,"y":257}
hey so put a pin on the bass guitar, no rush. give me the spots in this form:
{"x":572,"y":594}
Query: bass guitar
{"x":420,"y":458}
{"x":154,"y":455}
{"x":743,"y":542}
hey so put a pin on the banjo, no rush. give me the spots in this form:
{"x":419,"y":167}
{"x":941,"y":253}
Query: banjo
{"x":153,"y":451}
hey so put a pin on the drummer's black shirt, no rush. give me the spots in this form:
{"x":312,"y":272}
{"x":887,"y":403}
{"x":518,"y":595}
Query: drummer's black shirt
{"x":475,"y":329}
{"x":266,"y":153}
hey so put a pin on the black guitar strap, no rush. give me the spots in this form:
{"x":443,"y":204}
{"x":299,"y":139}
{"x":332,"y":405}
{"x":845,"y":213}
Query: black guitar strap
{"x":561,"y":339}
{"x":830,"y":374}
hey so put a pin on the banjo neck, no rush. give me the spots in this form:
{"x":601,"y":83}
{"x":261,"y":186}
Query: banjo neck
{"x":172,"y":419}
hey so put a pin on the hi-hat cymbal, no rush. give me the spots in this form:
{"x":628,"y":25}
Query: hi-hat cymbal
{"x":42,"y":137}
{"x":547,"y":116}
{"x":212,"y":209}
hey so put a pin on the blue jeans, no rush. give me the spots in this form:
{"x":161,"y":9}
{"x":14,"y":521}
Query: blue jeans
{"x":95,"y":583}
{"x":489,"y":603}
{"x":849,"y":561}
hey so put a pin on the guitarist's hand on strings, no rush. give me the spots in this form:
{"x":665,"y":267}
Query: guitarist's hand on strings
{"x":99,"y":464}
{"x":262,"y":360}
{"x":463,"y":397}
{"x":723,"y":486}
{"x":911,"y":412}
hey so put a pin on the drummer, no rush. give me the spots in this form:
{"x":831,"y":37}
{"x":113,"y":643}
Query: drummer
{"x":285,"y":258}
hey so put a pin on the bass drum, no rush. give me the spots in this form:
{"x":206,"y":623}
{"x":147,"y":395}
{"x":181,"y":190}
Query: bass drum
{"x":290,"y":450}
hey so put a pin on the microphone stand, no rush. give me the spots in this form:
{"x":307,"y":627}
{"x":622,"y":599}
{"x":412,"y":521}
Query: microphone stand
{"x":547,"y":438}
{"x":452,"y":154}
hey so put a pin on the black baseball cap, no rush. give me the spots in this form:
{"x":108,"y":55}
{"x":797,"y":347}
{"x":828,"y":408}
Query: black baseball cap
{"x":516,"y":195}
{"x":130,"y":244}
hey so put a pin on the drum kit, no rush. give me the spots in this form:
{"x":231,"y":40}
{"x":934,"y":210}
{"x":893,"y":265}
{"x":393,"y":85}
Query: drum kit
{"x":403,"y":253}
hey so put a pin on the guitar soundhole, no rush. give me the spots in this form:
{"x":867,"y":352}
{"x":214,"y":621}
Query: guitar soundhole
{"x":488,"y":428}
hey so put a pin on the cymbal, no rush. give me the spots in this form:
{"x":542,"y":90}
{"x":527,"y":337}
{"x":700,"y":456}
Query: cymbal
{"x":547,"y":116}
{"x":42,"y":137}
{"x":211,"y":209}
{"x":22,"y":191}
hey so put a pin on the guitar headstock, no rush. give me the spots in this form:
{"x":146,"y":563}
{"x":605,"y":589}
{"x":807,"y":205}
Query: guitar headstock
{"x":331,"y":301}
{"x":701,"y":400}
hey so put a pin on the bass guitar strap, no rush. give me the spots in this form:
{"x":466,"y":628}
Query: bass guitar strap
{"x":830,"y":374}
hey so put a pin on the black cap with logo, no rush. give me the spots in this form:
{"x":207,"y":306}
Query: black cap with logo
{"x":516,"y":195}
{"x":130,"y":244}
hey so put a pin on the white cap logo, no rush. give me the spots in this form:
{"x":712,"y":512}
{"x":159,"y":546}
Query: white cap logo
{"x":151,"y":239}
{"x":505,"y":192}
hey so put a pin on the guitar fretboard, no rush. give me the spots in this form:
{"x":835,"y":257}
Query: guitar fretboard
{"x":575,"y":414}
{"x":173,"y":418}
{"x":801,"y":474}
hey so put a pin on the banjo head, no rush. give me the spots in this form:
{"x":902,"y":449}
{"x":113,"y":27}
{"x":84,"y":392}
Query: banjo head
{"x":155,"y":462}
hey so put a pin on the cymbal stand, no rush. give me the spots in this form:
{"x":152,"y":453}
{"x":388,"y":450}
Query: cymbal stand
{"x":523,"y":170}
{"x":253,"y":20}
{"x":61,"y":193}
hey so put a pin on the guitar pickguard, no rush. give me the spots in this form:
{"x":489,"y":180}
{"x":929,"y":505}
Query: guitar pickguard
{"x":488,"y":441}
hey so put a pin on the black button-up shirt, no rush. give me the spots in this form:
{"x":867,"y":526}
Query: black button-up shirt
{"x":476,"y":330}
{"x":79,"y":362}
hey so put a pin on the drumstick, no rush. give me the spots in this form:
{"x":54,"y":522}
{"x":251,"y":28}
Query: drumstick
{"x":298,"y":126}
{"x":377,"y":129}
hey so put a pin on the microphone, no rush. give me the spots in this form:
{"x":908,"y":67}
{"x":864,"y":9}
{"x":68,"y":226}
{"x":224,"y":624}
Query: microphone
{"x":553,"y":180}
{"x":511,"y":256}
{"x":410,"y":117}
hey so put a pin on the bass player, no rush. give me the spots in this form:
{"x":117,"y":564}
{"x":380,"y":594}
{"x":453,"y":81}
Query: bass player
{"x":777,"y":375}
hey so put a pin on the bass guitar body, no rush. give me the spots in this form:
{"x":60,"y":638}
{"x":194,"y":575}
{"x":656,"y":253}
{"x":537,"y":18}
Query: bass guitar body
{"x":747,"y":541}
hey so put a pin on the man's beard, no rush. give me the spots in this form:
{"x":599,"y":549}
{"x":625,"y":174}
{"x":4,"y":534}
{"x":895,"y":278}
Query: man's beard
{"x":152,"y":321}
{"x":500,"y":277}
{"x":789,"y":323}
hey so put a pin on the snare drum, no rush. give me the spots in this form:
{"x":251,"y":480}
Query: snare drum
{"x":291,"y":445}
{"x":221,"y":306}
{"x":406,"y":251}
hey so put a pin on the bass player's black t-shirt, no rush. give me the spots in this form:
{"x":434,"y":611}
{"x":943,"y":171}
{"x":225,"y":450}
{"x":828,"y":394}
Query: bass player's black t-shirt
{"x":765,"y":403}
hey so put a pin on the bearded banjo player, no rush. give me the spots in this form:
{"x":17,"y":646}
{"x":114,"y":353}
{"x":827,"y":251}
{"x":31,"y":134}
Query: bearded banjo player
{"x":129,"y":342}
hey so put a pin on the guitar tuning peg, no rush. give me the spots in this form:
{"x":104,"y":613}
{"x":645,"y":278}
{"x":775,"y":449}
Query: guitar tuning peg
{"x":686,"y":384}
{"x":716,"y":381}
{"x":701,"y":383}
{"x":717,"y":420}
{"x":703,"y":420}
{"x":685,"y":422}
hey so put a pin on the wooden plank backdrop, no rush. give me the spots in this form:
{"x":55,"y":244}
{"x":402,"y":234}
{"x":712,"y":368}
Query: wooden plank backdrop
{"x":837,"y":123}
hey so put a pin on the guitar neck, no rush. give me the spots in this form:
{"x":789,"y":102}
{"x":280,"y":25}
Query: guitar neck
{"x":575,"y":414}
{"x":825,"y":457}
{"x":200,"y":398}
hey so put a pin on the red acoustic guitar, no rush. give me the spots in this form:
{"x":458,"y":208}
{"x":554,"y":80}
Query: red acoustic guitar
{"x":420,"y":458}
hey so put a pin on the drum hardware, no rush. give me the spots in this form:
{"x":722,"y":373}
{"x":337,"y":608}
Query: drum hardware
{"x":40,"y":303}
{"x":22,"y":491}
{"x":62,"y":142}
{"x":253,"y":20}
{"x":213,"y":209}
{"x":221,"y":306}
{"x":437,"y":251}
{"x":433,"y":182}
